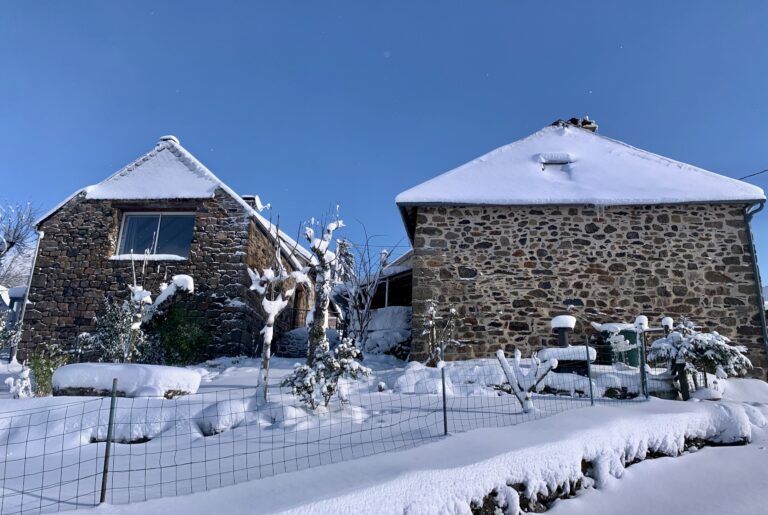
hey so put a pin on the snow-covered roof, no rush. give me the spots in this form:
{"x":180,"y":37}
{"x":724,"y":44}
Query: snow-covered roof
{"x":169,"y":171}
{"x":563,"y":164}
{"x":403,"y":263}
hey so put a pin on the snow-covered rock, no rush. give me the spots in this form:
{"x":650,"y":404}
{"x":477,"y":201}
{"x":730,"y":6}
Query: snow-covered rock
{"x":133,"y":380}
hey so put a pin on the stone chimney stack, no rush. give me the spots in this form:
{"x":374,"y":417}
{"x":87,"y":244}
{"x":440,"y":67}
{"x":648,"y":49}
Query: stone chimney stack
{"x":584,"y":123}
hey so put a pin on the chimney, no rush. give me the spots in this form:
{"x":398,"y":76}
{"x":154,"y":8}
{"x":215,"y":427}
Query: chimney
{"x":583,"y":123}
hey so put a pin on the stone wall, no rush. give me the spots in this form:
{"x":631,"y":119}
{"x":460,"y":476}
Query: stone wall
{"x":508,"y":270}
{"x":73,"y":271}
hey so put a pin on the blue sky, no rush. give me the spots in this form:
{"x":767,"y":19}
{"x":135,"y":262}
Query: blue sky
{"x":311,"y":104}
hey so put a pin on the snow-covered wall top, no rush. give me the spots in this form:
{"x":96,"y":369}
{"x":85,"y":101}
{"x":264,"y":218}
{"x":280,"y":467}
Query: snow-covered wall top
{"x":598,"y":170}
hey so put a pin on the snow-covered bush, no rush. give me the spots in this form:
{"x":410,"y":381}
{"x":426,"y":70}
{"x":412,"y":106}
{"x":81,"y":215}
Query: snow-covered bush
{"x":43,"y":364}
{"x":709,"y":352}
{"x":20,"y":386}
{"x":117,"y":337}
{"x":316,"y":384}
{"x":524,"y":384}
{"x":9,"y":335}
{"x":179,"y":338}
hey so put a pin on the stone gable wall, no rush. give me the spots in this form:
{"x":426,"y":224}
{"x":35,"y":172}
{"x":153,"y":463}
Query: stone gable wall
{"x":509,"y":269}
{"x":73,"y":271}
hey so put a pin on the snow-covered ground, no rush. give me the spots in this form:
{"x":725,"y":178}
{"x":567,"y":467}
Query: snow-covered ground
{"x":223,"y":436}
{"x":447,"y":475}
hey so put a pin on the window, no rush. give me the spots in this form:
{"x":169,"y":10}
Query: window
{"x":160,"y":233}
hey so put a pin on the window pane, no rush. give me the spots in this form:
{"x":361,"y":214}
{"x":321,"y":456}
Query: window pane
{"x":138,"y":233}
{"x":175,"y":234}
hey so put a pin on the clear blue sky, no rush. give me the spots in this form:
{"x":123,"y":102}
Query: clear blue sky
{"x":314,"y":103}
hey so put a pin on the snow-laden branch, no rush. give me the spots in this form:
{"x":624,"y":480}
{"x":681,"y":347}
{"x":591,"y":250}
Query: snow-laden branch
{"x":524,"y":384}
{"x":178,"y":283}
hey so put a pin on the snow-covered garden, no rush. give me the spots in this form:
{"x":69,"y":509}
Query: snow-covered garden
{"x":128,"y":428}
{"x":225,"y":434}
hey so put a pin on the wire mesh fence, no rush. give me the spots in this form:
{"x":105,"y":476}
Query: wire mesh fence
{"x":53,"y":456}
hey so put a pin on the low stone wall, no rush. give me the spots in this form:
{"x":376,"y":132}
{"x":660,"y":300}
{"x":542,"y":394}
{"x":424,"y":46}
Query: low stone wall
{"x":509,"y":269}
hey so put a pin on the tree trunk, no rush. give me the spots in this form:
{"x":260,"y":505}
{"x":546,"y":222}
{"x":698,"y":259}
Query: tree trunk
{"x":320,"y":312}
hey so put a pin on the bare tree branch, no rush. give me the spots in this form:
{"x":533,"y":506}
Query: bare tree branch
{"x":17,"y":227}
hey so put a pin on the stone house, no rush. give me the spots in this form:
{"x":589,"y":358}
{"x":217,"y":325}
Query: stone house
{"x":566,"y":216}
{"x":188,"y":221}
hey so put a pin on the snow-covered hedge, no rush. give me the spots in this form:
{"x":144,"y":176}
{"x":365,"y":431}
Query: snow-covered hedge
{"x":133,"y":380}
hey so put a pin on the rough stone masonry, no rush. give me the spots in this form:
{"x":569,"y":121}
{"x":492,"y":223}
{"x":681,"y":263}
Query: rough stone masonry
{"x":509,"y":269}
{"x":73,"y":272}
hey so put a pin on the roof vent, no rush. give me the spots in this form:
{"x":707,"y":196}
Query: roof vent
{"x":171,"y":138}
{"x":584,"y":123}
{"x":556,"y":158}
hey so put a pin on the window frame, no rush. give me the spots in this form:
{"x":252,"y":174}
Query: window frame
{"x":159,"y":215}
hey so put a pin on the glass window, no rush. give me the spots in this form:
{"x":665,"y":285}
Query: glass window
{"x":175,"y":236}
{"x":158,"y":233}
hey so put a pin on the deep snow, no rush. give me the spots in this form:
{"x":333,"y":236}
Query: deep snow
{"x":220,"y":437}
{"x":445,"y":476}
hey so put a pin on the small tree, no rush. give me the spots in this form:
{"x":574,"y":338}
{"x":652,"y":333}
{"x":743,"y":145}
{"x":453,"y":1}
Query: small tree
{"x":17,"y":229}
{"x":524,"y":384}
{"x":316,"y":384}
{"x":360,"y":271}
{"x":117,"y":337}
{"x":10,"y":335}
{"x":440,"y":331}
{"x":709,"y":352}
{"x":276,"y":287}
{"x":43,"y":364}
{"x":321,"y":272}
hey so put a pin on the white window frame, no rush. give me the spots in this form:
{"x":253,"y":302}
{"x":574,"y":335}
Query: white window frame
{"x":159,"y":215}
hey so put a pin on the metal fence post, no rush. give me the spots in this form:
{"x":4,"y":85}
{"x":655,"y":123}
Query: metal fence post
{"x":682,"y":378}
{"x":108,"y":449}
{"x":643,"y":371}
{"x":442,"y":377}
{"x":589,"y":372}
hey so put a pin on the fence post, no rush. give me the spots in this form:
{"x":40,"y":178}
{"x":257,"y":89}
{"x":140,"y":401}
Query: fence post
{"x":643,"y":372}
{"x":442,"y":378}
{"x":682,"y":378}
{"x":108,"y":449}
{"x":589,"y":372}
